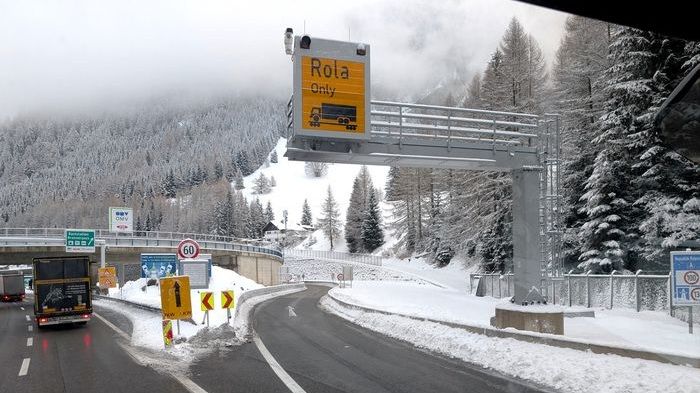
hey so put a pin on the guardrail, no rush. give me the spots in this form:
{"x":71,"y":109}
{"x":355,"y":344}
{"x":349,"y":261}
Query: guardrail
{"x":54,"y":237}
{"x":367,"y":259}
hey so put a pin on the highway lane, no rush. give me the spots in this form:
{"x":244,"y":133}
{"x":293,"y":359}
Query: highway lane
{"x":324,"y":353}
{"x":13,"y":340}
{"x":70,"y":359}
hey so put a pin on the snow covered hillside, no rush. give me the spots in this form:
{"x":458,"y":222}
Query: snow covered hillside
{"x":294,"y":185}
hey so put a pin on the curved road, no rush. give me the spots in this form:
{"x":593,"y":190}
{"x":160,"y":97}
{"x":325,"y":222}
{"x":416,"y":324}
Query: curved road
{"x":324,"y":353}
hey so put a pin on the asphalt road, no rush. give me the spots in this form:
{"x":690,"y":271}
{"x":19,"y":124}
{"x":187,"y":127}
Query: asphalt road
{"x":324,"y":353}
{"x":70,"y":359}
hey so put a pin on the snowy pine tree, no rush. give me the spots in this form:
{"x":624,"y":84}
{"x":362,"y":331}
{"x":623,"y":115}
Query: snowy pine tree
{"x":372,"y":232}
{"x":306,"y":218}
{"x":610,"y":230}
{"x":269,"y":213}
{"x":354,"y":217}
{"x":262,"y":184}
{"x":329,"y":221}
{"x":273,"y":157}
{"x":578,"y":96}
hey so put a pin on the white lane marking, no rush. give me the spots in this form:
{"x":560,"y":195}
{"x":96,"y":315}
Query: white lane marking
{"x":27,"y":316}
{"x":30,"y":341}
{"x":21,"y":308}
{"x":291,"y":312}
{"x":30,"y":328}
{"x":25,"y":367}
{"x":286,"y":379}
{"x":111,"y":325}
{"x":186,"y":382}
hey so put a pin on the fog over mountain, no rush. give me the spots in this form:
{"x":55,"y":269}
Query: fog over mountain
{"x":73,"y":55}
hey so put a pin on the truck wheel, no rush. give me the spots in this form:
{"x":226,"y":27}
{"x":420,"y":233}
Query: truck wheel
{"x":315,"y":118}
{"x":81,"y":323}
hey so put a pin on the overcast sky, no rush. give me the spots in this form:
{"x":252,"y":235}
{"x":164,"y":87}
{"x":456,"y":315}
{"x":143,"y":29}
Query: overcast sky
{"x":66,"y":54}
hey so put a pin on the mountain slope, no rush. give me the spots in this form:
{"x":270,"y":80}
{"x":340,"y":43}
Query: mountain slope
{"x":293,"y":186}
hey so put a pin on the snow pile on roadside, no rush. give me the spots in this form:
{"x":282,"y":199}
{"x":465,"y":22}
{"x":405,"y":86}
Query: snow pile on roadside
{"x":138,"y":292}
{"x":313,"y":269}
{"x":646,"y":330}
{"x":147,"y":325}
{"x":564,"y":369}
{"x":423,"y":301}
{"x":454,"y":276}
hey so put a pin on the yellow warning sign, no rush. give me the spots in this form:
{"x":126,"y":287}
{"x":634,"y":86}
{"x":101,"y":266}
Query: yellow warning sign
{"x":167,"y":332}
{"x":333,"y":95}
{"x":227,"y":299}
{"x":206,"y":301}
{"x":175,"y":297}
{"x":107,"y":277}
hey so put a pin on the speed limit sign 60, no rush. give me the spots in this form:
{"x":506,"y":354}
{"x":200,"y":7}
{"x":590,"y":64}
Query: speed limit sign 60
{"x":188,"y":249}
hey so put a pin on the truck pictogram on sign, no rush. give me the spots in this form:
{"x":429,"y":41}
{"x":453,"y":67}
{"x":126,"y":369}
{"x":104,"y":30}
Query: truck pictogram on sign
{"x":335,"y":114}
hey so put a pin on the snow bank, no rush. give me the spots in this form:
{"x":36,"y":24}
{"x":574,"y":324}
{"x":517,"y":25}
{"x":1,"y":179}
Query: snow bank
{"x":147,"y":326}
{"x":423,"y":301}
{"x":564,"y":369}
{"x":646,"y":331}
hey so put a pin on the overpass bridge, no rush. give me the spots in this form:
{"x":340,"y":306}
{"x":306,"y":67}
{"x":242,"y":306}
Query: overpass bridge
{"x":248,"y":258}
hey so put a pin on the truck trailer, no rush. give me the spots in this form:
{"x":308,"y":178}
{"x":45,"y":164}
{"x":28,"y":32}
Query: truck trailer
{"x":12,"y":286}
{"x":62,"y":290}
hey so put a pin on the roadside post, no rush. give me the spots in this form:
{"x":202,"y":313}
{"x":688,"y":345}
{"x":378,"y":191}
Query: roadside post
{"x":341,"y":282}
{"x":167,"y":333}
{"x":685,"y":281}
{"x":206,"y":304}
{"x":228,"y":303}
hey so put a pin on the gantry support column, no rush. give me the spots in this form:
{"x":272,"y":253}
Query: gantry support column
{"x":526,"y":233}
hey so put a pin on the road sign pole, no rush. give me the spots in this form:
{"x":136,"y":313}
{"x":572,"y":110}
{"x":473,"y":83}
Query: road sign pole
{"x":228,"y":315}
{"x":178,"y":327}
{"x":207,"y":318}
{"x":690,"y":319}
{"x":103,"y":247}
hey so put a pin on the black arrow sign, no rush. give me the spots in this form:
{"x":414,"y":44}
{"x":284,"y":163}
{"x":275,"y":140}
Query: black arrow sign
{"x":177,"y":294}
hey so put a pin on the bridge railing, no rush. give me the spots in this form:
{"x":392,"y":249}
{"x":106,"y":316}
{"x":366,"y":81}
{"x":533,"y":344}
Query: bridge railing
{"x":367,"y":259}
{"x":141,"y":239}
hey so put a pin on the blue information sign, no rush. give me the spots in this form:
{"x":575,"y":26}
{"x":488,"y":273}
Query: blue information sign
{"x":158,"y":265}
{"x":685,"y":277}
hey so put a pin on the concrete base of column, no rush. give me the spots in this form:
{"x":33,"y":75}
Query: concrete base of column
{"x":549,"y":319}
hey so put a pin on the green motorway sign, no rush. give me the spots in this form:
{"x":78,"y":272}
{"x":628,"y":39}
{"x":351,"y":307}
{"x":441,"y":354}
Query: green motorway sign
{"x":80,"y":240}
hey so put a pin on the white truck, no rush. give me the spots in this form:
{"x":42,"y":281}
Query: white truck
{"x":11,"y":286}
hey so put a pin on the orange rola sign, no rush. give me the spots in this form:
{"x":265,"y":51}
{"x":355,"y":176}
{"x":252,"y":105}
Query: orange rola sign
{"x":333,"y":95}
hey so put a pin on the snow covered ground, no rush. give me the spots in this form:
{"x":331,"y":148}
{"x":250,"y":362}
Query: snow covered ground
{"x":647,"y":330}
{"x":293,"y":186}
{"x":327,"y":270}
{"x":564,"y":369}
{"x":147,"y":327}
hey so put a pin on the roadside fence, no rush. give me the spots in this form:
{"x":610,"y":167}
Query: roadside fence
{"x":367,"y":259}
